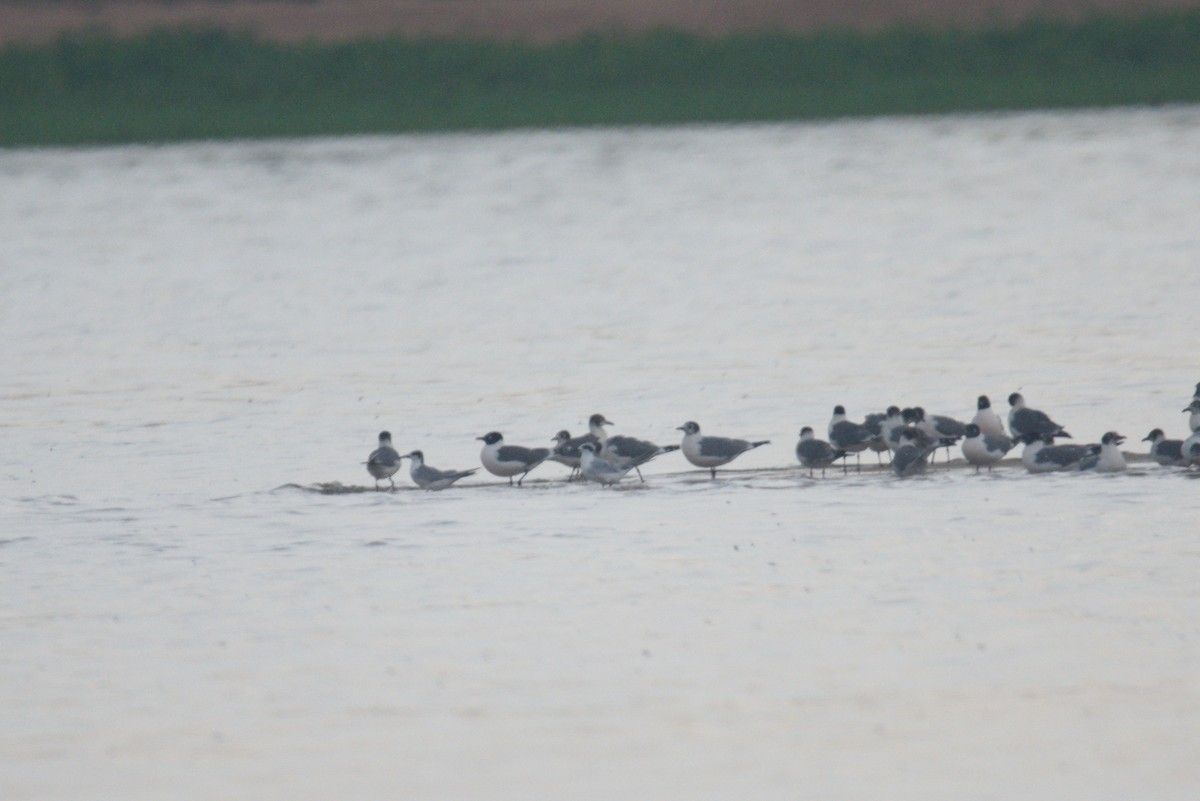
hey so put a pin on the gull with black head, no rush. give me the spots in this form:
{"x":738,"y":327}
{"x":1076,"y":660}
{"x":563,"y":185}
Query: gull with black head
{"x":891,"y":426}
{"x":943,"y":431}
{"x":566,"y":450}
{"x":813,"y":453}
{"x":984,"y":450}
{"x":602,"y":471}
{"x":1194,"y":417}
{"x":1167,"y":452}
{"x":1041,"y":455}
{"x":874,"y":422}
{"x":712,"y":452}
{"x":1190,"y":449}
{"x":848,"y":436}
{"x":1109,"y":458}
{"x":1022,"y":420}
{"x":909,"y":419}
{"x":507,"y":461}
{"x":986,"y":419}
{"x":632,"y":452}
{"x":384,"y":461}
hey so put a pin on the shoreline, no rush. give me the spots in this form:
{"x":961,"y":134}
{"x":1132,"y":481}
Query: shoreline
{"x":181,"y":85}
{"x":535,"y":20}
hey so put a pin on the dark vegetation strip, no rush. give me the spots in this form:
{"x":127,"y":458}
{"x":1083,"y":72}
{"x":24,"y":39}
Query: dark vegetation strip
{"x":186,"y":84}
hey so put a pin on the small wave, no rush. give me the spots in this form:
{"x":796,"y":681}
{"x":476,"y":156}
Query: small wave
{"x":51,"y":500}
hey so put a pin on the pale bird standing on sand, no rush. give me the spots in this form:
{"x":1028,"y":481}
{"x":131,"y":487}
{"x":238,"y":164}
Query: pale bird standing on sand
{"x":712,"y":452}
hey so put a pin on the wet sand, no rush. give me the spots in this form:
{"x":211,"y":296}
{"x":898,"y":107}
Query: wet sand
{"x":1138,"y":463}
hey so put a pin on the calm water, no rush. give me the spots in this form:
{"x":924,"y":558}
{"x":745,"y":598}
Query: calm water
{"x":198,"y":337}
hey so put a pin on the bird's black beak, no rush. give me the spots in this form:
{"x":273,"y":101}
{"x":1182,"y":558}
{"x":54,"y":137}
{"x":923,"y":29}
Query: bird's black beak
{"x":481,"y":439}
{"x":1147,"y":439}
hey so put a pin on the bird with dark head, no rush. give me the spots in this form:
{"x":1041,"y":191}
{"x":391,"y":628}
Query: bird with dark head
{"x":813,"y":453}
{"x":384,"y":461}
{"x":1167,"y":452}
{"x":846,"y":435}
{"x":984,"y":450}
{"x":712,"y":452}
{"x":507,"y":461}
{"x":1023,"y":420}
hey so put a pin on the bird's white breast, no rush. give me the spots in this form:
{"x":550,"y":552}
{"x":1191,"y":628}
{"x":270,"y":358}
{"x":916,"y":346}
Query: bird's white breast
{"x":989,"y":422}
{"x":977,"y":452}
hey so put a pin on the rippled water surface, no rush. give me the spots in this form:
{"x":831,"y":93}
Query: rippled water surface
{"x":203,"y":599}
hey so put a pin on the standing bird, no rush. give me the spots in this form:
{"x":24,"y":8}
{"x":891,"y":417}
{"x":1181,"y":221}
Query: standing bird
{"x":984,"y":450}
{"x":632,"y":452}
{"x":566,"y":450}
{"x":911,"y":458}
{"x":814,"y":453}
{"x":945,"y":432}
{"x":1109,"y":459}
{"x":1041,"y":455}
{"x":596,"y":424}
{"x":848,"y":436}
{"x":712,"y":452}
{"x":891,"y":427}
{"x":1022,"y":420}
{"x":1190,"y":449}
{"x":987,"y":420}
{"x":1167,"y":452}
{"x":600,"y":470}
{"x":1194,"y":418}
{"x":384,"y":461}
{"x":509,"y":460}
{"x":873,"y":422}
{"x":430,"y":478}
{"x":909,"y":420}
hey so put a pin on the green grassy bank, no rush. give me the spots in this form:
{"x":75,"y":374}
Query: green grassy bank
{"x":173,"y":85}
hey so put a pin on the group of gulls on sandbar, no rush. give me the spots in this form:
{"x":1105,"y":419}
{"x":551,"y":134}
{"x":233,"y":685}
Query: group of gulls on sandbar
{"x":909,"y":436}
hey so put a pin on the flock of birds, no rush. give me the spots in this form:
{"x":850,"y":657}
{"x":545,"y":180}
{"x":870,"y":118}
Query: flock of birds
{"x":909,"y":436}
